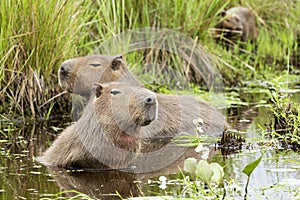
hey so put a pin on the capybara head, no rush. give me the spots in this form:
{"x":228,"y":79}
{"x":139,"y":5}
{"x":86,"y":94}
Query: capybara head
{"x":231,"y":21}
{"x":125,"y":105}
{"x":237,"y":23}
{"x":77,"y":75}
{"x":74,"y":75}
{"x":108,"y":131}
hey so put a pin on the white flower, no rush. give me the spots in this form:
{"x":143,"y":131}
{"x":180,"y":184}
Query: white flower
{"x":163,"y":184}
{"x":204,"y":150}
{"x":199,"y":148}
{"x":162,"y":178}
{"x":198,"y":121}
{"x":199,"y":130}
{"x":205,"y":153}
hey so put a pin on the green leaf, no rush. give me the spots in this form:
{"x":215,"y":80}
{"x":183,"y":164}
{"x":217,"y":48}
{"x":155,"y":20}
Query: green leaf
{"x":218,"y":173}
{"x":251,"y":166}
{"x":190,"y":165}
{"x":204,"y":171}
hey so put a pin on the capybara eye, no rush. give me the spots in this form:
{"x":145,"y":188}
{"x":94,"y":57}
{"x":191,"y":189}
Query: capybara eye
{"x":95,"y":65}
{"x":228,"y":20}
{"x":237,"y":19}
{"x":115,"y":92}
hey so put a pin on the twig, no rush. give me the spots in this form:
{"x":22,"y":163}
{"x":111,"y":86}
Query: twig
{"x":64,"y":92}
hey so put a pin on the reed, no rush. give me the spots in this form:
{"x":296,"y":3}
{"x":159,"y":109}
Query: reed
{"x":36,"y":36}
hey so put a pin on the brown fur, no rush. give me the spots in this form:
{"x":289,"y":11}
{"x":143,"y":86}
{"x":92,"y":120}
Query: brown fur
{"x":107,"y":133}
{"x":76,"y":75}
{"x":238,"y":23}
{"x":175,"y":112}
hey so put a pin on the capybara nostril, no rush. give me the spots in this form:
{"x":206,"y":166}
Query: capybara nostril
{"x":150,"y":100}
{"x":65,"y":68}
{"x":62,"y":68}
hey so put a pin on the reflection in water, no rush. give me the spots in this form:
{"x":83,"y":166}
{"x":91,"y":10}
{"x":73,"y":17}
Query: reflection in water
{"x":22,"y":177}
{"x":101,"y":184}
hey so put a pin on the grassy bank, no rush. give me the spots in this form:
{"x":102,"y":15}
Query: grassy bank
{"x":36,"y":36}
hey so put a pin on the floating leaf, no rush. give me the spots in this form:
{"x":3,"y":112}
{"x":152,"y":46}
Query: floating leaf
{"x":204,"y":171}
{"x":190,"y":165}
{"x":218,"y":173}
{"x":251,"y":166}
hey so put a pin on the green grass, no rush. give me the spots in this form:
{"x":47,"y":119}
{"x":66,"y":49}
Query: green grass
{"x":285,"y":128}
{"x":36,"y":36}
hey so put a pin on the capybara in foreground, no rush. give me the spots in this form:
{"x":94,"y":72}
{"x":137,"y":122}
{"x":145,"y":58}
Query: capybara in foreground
{"x":237,"y":24}
{"x":175,"y":112}
{"x":107,"y":132}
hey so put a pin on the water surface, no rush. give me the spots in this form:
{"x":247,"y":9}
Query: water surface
{"x":277,"y":176}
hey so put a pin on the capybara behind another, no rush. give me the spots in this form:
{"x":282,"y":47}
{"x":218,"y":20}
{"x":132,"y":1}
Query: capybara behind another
{"x":76,"y":75}
{"x":175,"y":112}
{"x":237,"y":24}
{"x":107,"y":133}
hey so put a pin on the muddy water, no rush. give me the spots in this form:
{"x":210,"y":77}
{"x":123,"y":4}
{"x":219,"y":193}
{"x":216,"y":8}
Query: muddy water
{"x":22,"y":177}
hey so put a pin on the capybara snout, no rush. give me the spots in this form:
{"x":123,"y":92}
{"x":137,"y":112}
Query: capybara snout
{"x":150,"y":100}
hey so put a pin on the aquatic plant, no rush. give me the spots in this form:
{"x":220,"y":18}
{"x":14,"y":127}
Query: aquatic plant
{"x":248,"y":170}
{"x":203,"y":180}
{"x":285,"y":126}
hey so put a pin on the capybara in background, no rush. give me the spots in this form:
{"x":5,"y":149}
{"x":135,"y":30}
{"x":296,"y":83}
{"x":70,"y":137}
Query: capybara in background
{"x":107,"y":133}
{"x":175,"y":112}
{"x":237,"y":24}
{"x":76,"y":75}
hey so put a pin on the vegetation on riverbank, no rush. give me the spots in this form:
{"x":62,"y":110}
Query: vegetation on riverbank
{"x":36,"y":36}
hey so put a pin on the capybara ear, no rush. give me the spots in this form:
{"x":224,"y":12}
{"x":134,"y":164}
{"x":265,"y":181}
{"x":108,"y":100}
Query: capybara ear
{"x":116,"y":62}
{"x":97,"y":89}
{"x":223,"y":13}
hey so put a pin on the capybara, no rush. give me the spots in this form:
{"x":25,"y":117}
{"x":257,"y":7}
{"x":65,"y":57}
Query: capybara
{"x":175,"y":112}
{"x":237,"y":24}
{"x":107,"y":132}
{"x":76,"y":75}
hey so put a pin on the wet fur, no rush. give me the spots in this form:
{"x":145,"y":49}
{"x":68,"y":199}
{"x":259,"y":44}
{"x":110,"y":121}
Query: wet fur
{"x":97,"y":140}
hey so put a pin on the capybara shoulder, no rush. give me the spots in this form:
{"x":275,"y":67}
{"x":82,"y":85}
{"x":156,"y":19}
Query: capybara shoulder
{"x":107,"y":132}
{"x":237,"y":24}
